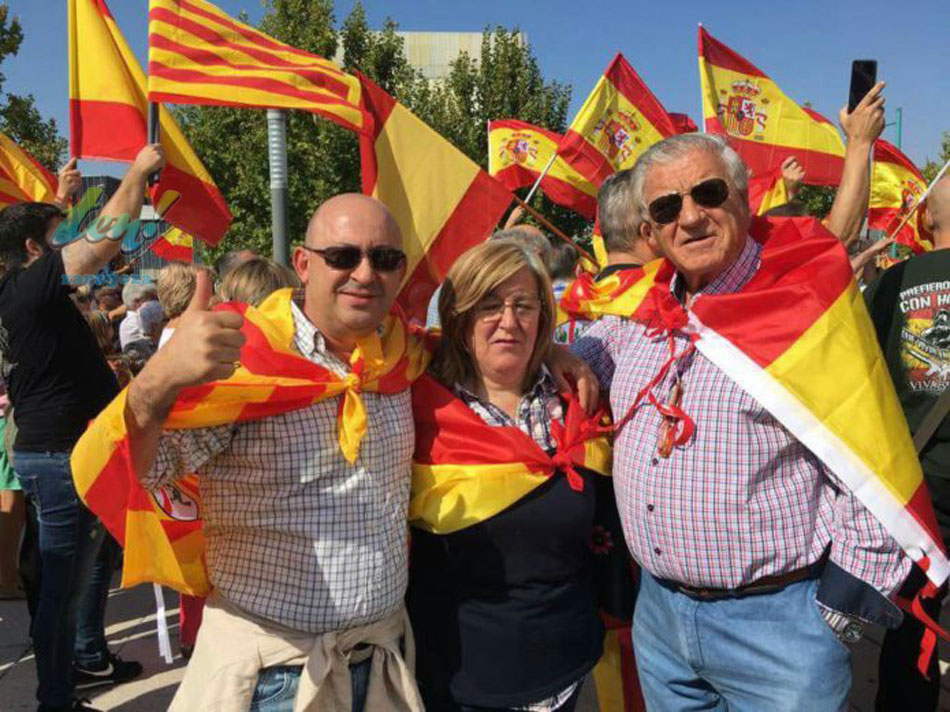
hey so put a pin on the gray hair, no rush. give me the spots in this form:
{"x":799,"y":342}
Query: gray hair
{"x":151,"y":315}
{"x":136,"y":292}
{"x":531,"y":238}
{"x":677,"y":147}
{"x":617,"y":212}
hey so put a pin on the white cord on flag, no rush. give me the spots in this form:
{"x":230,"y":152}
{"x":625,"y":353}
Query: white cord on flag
{"x":164,"y":640}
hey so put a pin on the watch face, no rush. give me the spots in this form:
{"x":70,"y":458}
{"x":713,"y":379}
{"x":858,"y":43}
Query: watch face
{"x":852,"y":632}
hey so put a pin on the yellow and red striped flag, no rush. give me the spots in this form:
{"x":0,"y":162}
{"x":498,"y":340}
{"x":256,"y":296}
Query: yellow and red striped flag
{"x":23,"y":179}
{"x":199,"y":55}
{"x":175,"y":246}
{"x":764,"y":125}
{"x":161,"y":531}
{"x":767,"y":191}
{"x":108,"y":110}
{"x":620,"y":119}
{"x":443,"y":202}
{"x":896,"y":186}
{"x":517,"y":154}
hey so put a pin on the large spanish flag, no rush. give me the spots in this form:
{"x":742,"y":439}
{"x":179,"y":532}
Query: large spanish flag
{"x":517,"y":154}
{"x":764,"y":124}
{"x":199,"y":55}
{"x":161,"y":530}
{"x":175,"y":246}
{"x":108,"y":110}
{"x":767,"y":191}
{"x":620,"y":120}
{"x":805,"y":348}
{"x":444,"y":203}
{"x":23,"y":179}
{"x":896,"y":186}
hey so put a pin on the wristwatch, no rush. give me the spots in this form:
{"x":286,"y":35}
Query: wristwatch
{"x":849,"y":630}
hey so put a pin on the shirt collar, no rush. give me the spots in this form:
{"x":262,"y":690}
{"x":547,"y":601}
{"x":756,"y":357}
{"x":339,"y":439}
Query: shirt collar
{"x":307,"y":338}
{"x":544,"y":385}
{"x":732,"y":279}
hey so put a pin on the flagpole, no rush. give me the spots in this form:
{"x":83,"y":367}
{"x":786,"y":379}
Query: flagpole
{"x":154,"y":128}
{"x":277,"y":160}
{"x":547,"y":224}
{"x":701,"y":126}
{"x":538,"y":181}
{"x":920,"y":200}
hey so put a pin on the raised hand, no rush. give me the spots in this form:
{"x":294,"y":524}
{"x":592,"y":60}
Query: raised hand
{"x":70,"y":179}
{"x":866,"y":123}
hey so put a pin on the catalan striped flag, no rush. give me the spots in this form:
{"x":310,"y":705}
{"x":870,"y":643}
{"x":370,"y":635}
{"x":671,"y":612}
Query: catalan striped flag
{"x":517,"y":154}
{"x":107,"y":117}
{"x":161,"y":531}
{"x":23,"y":179}
{"x":896,"y":186}
{"x":443,"y":202}
{"x":175,"y":246}
{"x":805,"y":348}
{"x":199,"y":55}
{"x":620,"y":119}
{"x":764,"y":125}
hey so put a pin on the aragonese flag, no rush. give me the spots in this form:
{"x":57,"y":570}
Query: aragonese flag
{"x":763,"y":124}
{"x":518,"y":152}
{"x":896,"y":187}
{"x":23,"y":179}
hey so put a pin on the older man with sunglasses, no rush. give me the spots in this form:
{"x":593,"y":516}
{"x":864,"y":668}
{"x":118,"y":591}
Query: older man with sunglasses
{"x":736,"y":524}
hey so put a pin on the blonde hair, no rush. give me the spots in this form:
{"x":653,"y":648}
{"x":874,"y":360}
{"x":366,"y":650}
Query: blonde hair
{"x":255,"y":280}
{"x":176,"y":287}
{"x":101,"y":328}
{"x":475,"y":274}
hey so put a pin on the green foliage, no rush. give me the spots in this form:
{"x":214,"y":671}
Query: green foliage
{"x":817,"y":198}
{"x":19,"y":117}
{"x":931,"y":168}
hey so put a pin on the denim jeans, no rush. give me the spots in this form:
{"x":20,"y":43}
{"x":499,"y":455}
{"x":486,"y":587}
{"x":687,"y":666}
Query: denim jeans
{"x":277,"y":686}
{"x":69,"y":538}
{"x":91,"y":649}
{"x":771,"y":651}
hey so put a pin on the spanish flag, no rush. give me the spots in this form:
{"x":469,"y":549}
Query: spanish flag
{"x":767,"y":191}
{"x":23,"y":179}
{"x":621,"y":293}
{"x":161,"y":531}
{"x":765,"y":126}
{"x":896,"y":186}
{"x":108,"y":110}
{"x":620,"y":120}
{"x":805,"y":348}
{"x":175,"y":246}
{"x":443,"y":202}
{"x":518,"y":152}
{"x":199,"y":55}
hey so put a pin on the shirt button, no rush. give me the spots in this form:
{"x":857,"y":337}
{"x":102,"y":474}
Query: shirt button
{"x":649,"y":507}
{"x":656,"y":551}
{"x":656,"y":461}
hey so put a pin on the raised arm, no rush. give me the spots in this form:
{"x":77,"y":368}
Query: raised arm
{"x":863,"y":127}
{"x":100,"y":243}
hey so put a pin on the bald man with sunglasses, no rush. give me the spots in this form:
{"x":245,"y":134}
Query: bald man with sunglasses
{"x":757,"y":563}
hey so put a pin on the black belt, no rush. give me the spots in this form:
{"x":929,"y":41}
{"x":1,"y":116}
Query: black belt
{"x":766,"y":584}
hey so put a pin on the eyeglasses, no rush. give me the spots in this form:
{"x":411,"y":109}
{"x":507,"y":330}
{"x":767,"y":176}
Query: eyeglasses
{"x":524,"y":308}
{"x":709,"y":194}
{"x":345,"y":257}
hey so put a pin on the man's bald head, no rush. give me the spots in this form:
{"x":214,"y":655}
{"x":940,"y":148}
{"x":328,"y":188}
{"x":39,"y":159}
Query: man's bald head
{"x":347,"y":213}
{"x":938,"y":206}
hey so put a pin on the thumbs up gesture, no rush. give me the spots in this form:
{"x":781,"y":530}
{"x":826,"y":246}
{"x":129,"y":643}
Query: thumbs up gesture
{"x":206,"y":345}
{"x":70,"y":179}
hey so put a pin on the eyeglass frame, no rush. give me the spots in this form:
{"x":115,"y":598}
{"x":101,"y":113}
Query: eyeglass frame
{"x":364,"y":255}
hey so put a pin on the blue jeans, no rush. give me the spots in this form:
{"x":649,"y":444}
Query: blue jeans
{"x":277,"y":686}
{"x":771,"y":652}
{"x":91,"y":649}
{"x":69,"y":538}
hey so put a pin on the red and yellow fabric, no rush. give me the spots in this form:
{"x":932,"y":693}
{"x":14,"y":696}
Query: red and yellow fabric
{"x":161,"y":532}
{"x":764,"y":125}
{"x":517,"y":154}
{"x":620,"y":294}
{"x":23,"y":179}
{"x":683,"y":123}
{"x":767,"y":191}
{"x":175,"y":246}
{"x":620,"y":119}
{"x":108,"y":111}
{"x":200,"y":55}
{"x":443,"y":202}
{"x":896,"y":186}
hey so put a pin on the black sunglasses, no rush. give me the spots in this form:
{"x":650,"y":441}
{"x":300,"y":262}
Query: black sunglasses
{"x":709,"y":194}
{"x":381,"y":258}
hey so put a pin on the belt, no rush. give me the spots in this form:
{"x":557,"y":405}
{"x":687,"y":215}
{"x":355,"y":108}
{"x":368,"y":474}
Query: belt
{"x":766,"y":584}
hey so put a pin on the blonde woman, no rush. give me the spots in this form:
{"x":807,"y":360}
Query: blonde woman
{"x":255,"y":279}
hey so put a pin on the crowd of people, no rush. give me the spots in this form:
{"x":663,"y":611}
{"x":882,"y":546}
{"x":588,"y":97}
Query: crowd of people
{"x":549,"y":473}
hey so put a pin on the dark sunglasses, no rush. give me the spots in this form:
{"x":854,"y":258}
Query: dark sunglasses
{"x":381,"y":259}
{"x":709,"y":194}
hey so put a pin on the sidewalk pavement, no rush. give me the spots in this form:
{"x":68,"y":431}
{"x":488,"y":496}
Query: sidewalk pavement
{"x":131,"y":633}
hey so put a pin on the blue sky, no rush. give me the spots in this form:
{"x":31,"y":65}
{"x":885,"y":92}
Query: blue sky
{"x":805,"y":46}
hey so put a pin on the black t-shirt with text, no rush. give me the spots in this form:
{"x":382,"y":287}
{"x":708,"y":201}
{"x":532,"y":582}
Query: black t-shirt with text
{"x":56,"y":374}
{"x":910,"y":307}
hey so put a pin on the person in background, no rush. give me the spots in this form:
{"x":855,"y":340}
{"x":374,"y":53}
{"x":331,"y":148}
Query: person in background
{"x":12,"y":514}
{"x":910,"y":308}
{"x":256,"y":279}
{"x":134,"y":295}
{"x":232,"y":259}
{"x":82,"y":298}
{"x":104,"y":332}
{"x":150,"y":319}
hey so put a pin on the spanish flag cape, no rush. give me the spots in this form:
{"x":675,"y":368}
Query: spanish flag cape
{"x":799,"y":340}
{"x":465,"y":471}
{"x":161,"y":531}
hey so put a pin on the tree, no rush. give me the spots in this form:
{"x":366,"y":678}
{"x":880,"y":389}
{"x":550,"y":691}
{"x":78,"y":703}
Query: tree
{"x":19,"y":117}
{"x":931,"y":168}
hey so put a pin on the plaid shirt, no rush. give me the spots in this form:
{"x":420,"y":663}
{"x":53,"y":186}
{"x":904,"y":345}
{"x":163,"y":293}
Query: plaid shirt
{"x":296,"y":534}
{"x":742,"y":499}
